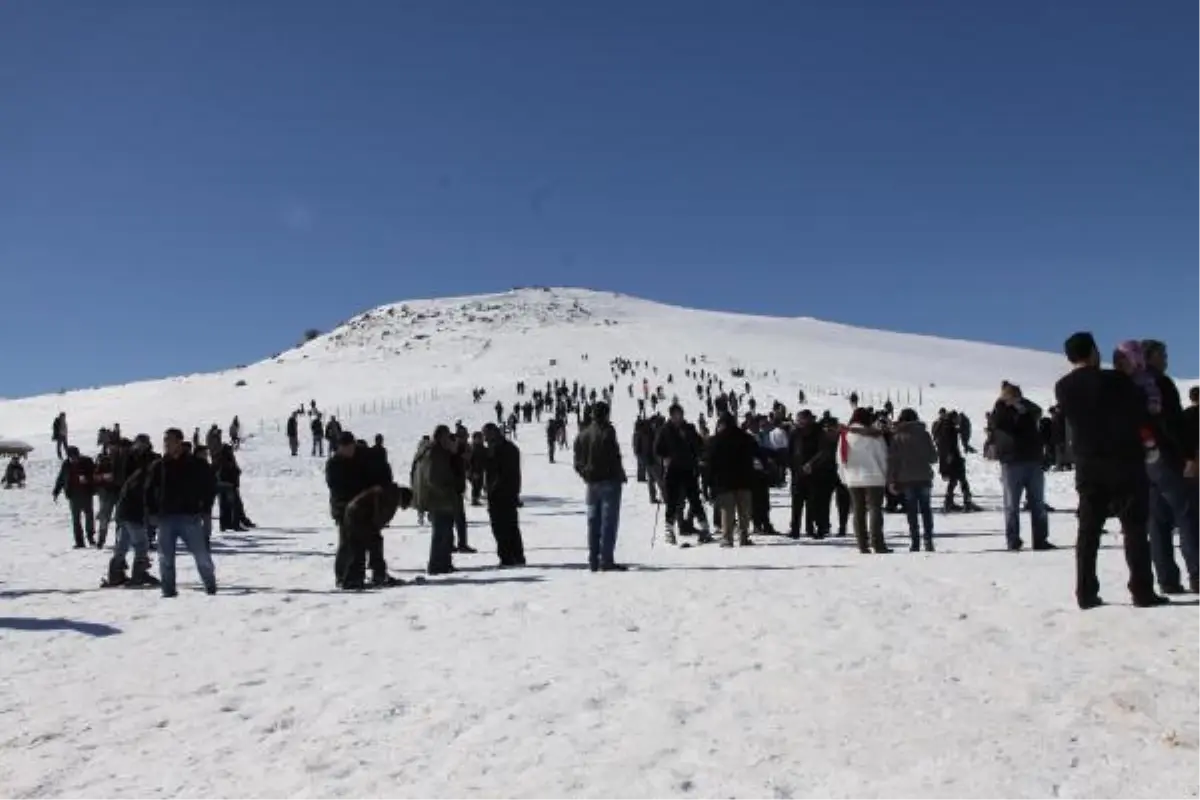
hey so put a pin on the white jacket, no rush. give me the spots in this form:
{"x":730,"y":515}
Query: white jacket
{"x":862,"y":458}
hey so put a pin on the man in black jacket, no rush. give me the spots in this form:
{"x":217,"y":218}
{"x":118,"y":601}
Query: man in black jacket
{"x":77,"y":478}
{"x":677,"y":446}
{"x":502,"y":473}
{"x":1106,"y":411}
{"x":598,"y":463}
{"x":729,"y":459}
{"x":807,"y":447}
{"x":179,"y":490}
{"x":1172,"y":501}
{"x":1018,"y":447}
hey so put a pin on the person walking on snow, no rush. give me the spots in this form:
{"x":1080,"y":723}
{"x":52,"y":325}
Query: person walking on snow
{"x":77,"y":478}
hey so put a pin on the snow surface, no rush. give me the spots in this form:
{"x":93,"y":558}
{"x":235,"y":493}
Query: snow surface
{"x":789,"y":669}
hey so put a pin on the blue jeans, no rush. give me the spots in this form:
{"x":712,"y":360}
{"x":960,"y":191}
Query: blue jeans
{"x":131,"y":535}
{"x":604,"y":517}
{"x":1171,"y":506}
{"x":173,"y":527}
{"x":441,"y":543}
{"x":1024,"y":478}
{"x":917,"y":500}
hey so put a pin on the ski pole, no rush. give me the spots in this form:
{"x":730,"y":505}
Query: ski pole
{"x":654,"y":534}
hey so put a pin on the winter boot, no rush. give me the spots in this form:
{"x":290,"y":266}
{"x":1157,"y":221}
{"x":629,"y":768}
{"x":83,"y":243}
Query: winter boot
{"x":915,"y":547}
{"x":928,"y":544}
{"x":705,"y":534}
{"x":141,"y":574}
{"x":745,"y":541}
{"x":116,"y":573}
{"x":669,"y":534}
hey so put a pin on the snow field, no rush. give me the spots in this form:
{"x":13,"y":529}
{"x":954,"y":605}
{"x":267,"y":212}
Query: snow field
{"x":783,"y":670}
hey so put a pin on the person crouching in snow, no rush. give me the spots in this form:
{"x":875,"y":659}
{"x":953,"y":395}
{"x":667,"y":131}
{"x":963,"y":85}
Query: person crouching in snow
{"x":863,"y":464}
{"x":362,"y":531}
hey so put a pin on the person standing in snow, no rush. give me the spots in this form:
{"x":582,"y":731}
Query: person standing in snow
{"x":863,"y":462}
{"x":808,"y":449}
{"x":130,"y":516}
{"x":110,"y":477}
{"x":502,"y":473}
{"x":1018,"y":447}
{"x":77,"y":478}
{"x":677,"y":445}
{"x":317,"y":429}
{"x":729,"y":460}
{"x":293,"y":435}
{"x":437,"y":491}
{"x":911,"y":457}
{"x":1110,"y":432}
{"x":235,"y":433}
{"x":58,"y":434}
{"x":179,"y":489}
{"x":598,"y":463}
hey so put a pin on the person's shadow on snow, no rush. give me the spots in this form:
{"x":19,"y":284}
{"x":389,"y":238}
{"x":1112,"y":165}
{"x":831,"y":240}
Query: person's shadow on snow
{"x":97,"y":629}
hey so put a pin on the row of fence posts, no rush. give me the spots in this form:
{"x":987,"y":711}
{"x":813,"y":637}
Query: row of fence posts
{"x":868,"y":398}
{"x":348,"y":411}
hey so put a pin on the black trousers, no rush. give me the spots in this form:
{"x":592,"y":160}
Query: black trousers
{"x":476,"y":487}
{"x":680,"y":485}
{"x":507,"y":529}
{"x":820,"y":496}
{"x":760,"y":502}
{"x":843,"y":506}
{"x":801,"y":497}
{"x":460,"y":525}
{"x":1128,"y":497}
{"x":356,"y":551}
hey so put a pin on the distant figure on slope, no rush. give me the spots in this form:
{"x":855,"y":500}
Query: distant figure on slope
{"x":317,"y":429}
{"x":58,"y":435}
{"x":598,"y":463}
{"x":293,"y":434}
{"x":235,"y":433}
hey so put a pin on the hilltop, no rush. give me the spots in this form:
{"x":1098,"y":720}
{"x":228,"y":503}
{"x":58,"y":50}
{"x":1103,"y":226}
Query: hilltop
{"x":403,"y":349}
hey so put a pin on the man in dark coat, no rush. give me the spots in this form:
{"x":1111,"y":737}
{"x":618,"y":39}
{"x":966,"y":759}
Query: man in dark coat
{"x":729,"y":459}
{"x":502,"y":474}
{"x":677,"y":446}
{"x":807,"y":449}
{"x":1017,"y":445}
{"x":1172,"y":501}
{"x":76,"y":478}
{"x":1107,"y":413}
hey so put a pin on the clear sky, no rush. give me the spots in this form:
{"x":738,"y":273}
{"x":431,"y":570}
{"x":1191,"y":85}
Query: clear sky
{"x":187,"y":186}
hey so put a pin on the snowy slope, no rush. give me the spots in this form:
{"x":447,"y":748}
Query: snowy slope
{"x":783,"y":670}
{"x":395,"y":351}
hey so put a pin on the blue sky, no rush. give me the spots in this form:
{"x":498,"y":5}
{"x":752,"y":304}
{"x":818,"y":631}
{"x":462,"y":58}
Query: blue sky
{"x":187,"y":186}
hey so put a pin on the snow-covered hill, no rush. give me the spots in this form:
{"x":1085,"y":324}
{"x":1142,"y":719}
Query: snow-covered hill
{"x":398,"y":351}
{"x":788,"y":669}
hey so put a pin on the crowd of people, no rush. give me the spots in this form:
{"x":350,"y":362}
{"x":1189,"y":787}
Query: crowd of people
{"x":879,"y":460}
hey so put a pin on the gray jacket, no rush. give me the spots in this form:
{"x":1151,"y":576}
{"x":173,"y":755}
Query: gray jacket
{"x":911,"y":456}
